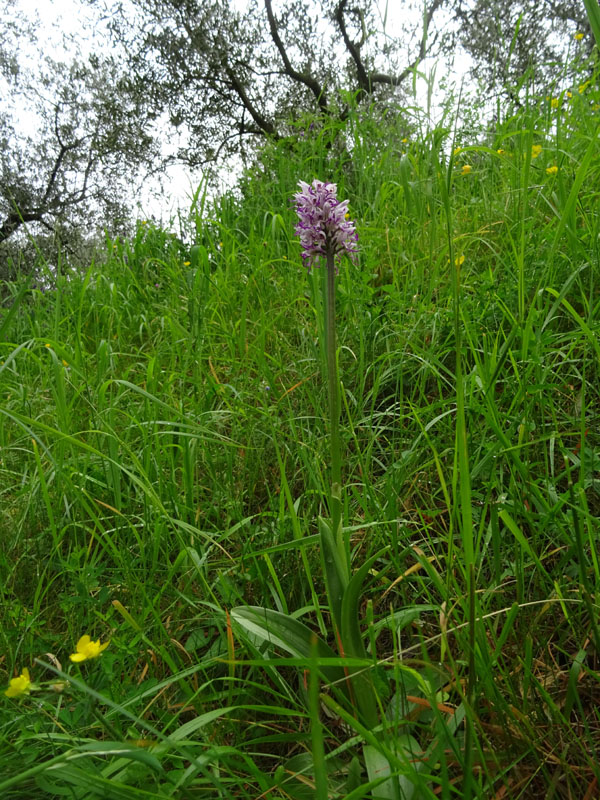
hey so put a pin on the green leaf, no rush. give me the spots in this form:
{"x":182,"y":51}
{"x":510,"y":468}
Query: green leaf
{"x":353,"y":644}
{"x":582,"y":173}
{"x":522,"y":540}
{"x":14,"y":308}
{"x":335,"y":571}
{"x":123,"y":750}
{"x":350,"y":628}
{"x":288,"y":634}
{"x":379,"y":767}
{"x":399,"y":786}
{"x":593,"y":11}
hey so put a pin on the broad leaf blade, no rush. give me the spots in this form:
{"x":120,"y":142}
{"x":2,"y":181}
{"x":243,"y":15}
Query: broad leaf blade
{"x":287,"y":634}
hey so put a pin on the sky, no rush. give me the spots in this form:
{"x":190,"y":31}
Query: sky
{"x":70,"y":17}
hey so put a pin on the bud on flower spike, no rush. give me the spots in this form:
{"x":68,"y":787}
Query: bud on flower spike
{"x":322,"y":225}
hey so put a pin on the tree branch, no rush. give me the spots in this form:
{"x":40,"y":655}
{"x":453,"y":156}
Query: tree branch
{"x":354,"y":49}
{"x":300,"y":77}
{"x":263,"y":123}
{"x":14,"y":220}
{"x":366,"y":80}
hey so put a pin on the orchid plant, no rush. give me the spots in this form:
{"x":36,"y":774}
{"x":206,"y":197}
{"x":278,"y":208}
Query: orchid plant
{"x":326,"y":234}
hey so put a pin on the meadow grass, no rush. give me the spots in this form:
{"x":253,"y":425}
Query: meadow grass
{"x":164,"y":460}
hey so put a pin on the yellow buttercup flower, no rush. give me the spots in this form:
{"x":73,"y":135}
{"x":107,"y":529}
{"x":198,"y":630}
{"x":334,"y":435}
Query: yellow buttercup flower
{"x":186,"y":263}
{"x":536,"y":150}
{"x":578,"y":36}
{"x":86,"y":649}
{"x":19,"y":686}
{"x":569,"y":95}
{"x":500,"y":151}
{"x":554,"y":102}
{"x":466,"y":169}
{"x":404,"y":141}
{"x":552,"y":170}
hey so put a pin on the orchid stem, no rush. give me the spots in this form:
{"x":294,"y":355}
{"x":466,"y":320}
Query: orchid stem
{"x":334,"y":417}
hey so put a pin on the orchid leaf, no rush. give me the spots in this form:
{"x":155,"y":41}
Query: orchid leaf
{"x":398,"y":786}
{"x":334,"y":569}
{"x":286,"y":633}
{"x":352,"y":642}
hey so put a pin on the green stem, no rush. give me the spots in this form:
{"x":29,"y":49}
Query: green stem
{"x":318,"y":743}
{"x":334,"y":417}
{"x":470,"y":717}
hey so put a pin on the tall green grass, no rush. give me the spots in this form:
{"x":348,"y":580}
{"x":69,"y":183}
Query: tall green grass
{"x":164,"y":460}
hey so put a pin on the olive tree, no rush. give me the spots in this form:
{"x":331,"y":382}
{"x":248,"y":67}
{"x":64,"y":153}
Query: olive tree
{"x":519,"y":44}
{"x":225,"y":76}
{"x":73,"y":138}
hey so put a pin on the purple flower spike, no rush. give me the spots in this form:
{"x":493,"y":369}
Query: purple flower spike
{"x":322,"y":225}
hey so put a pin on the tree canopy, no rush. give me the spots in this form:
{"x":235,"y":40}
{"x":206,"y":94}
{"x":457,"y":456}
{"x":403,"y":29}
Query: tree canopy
{"x":212,"y":78}
{"x":72,"y":134}
{"x":521,"y":42}
{"x":229,"y":76}
{"x":223,"y":75}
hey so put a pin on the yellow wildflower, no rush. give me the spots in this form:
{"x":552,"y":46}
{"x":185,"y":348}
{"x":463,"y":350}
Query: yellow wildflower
{"x":459,"y":260}
{"x":456,"y":151}
{"x":578,"y":36}
{"x":86,"y":649}
{"x":186,"y":263}
{"x":583,"y":87}
{"x":466,"y":169}
{"x":552,"y":170}
{"x":500,"y":151}
{"x":19,"y":686}
{"x":554,"y":102}
{"x":569,"y":95}
{"x":405,"y":140}
{"x":536,"y":150}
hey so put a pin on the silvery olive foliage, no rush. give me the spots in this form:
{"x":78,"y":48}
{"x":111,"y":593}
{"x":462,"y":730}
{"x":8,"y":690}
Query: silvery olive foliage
{"x":523,"y":45}
{"x":226,"y":75}
{"x":72,"y":133}
{"x":12,"y":29}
